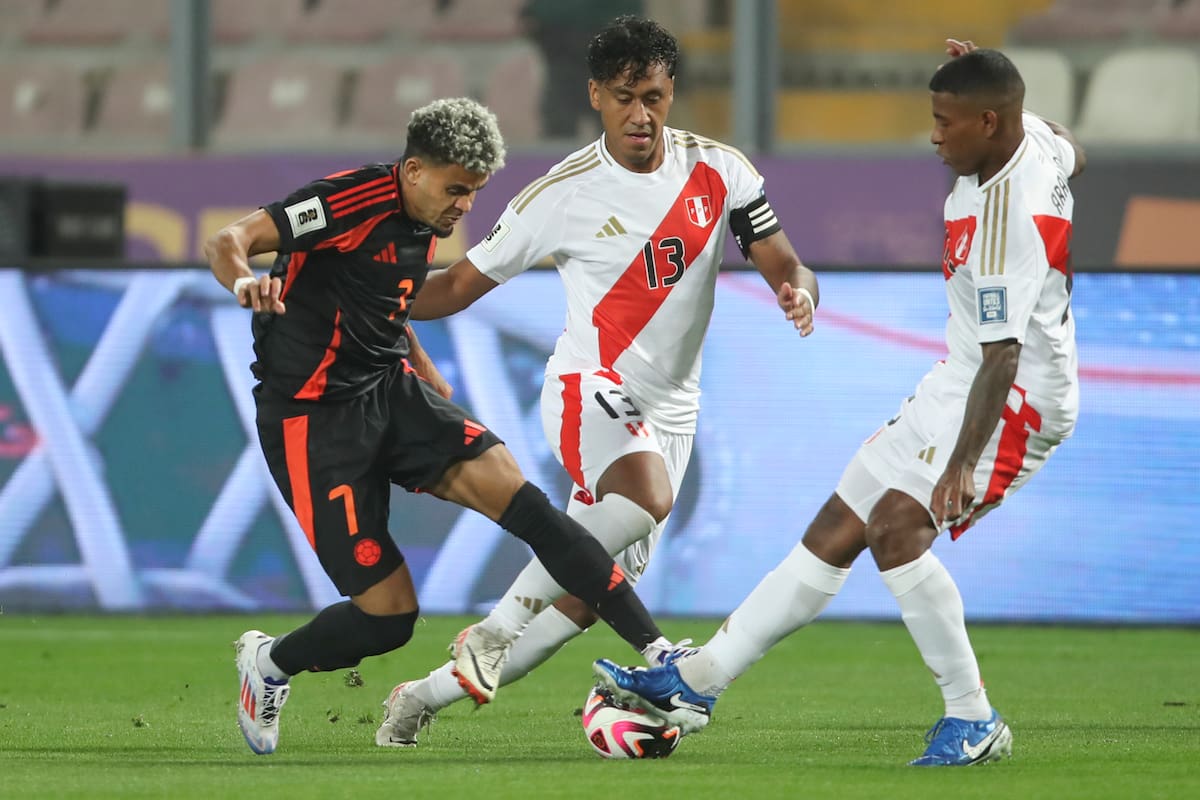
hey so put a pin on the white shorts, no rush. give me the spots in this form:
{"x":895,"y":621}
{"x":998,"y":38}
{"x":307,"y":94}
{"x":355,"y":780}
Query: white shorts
{"x":909,"y":453}
{"x":590,"y":423}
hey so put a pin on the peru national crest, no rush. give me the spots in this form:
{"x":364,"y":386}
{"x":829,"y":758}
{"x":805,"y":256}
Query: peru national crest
{"x":699,"y":209}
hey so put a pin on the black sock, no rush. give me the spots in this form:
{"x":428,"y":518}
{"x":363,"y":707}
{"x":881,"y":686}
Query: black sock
{"x":579,"y":564}
{"x":340,"y":636}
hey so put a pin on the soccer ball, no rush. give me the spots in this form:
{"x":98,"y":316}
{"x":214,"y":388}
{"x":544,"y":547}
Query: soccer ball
{"x":615,"y":730}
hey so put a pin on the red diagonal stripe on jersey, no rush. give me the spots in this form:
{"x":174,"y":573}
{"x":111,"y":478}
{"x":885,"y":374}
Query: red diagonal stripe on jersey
{"x":1056,"y":236}
{"x":351,"y":239}
{"x":295,"y":264}
{"x":359,"y":198}
{"x":347,"y":194}
{"x":314,"y":387}
{"x":630,"y":303}
{"x":384,"y":198}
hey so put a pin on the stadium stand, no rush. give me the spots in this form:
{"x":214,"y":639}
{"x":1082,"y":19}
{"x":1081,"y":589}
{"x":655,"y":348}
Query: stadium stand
{"x":96,"y":22}
{"x":1180,"y":21}
{"x":480,"y":19}
{"x":363,"y":21}
{"x":41,"y":103}
{"x":1143,"y":95}
{"x":387,"y":92}
{"x":1089,"y":21}
{"x":135,"y":106}
{"x":1049,"y":82}
{"x":242,"y":21}
{"x":289,"y":101}
{"x":513,"y":91}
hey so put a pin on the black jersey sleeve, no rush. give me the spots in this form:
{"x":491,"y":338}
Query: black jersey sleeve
{"x":319,"y":213}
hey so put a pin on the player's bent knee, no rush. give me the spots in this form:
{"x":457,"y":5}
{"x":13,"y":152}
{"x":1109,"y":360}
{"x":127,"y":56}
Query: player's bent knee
{"x":383,"y":634}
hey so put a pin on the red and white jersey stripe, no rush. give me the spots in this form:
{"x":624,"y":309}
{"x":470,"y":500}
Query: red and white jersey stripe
{"x":1007,"y":267}
{"x":638,"y":254}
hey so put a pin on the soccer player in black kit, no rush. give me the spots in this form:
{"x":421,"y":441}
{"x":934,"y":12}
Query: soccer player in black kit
{"x":348,"y":404}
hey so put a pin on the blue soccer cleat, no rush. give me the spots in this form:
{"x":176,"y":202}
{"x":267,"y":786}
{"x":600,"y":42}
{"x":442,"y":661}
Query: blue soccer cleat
{"x":960,"y":743}
{"x":659,"y":691}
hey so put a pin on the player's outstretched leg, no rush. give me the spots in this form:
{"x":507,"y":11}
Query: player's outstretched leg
{"x":259,"y":698}
{"x":960,"y":743}
{"x":658,"y":690}
{"x":479,"y":655}
{"x":405,"y":716}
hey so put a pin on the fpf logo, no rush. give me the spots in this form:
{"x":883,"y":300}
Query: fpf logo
{"x":959,"y":233}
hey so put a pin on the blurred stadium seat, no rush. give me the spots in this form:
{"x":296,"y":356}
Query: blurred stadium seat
{"x":1143,"y":95}
{"x":387,"y":92}
{"x":41,"y":103}
{"x":1180,"y":21}
{"x":239,"y":21}
{"x":1049,"y":82}
{"x":97,"y":21}
{"x":287,"y":101}
{"x":513,"y":91}
{"x":1088,"y":20}
{"x":135,"y":106}
{"x":362,"y":20}
{"x":17,"y":15}
{"x":480,"y":19}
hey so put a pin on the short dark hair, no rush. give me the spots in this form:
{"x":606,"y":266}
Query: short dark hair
{"x":980,"y":72}
{"x":631,"y":43}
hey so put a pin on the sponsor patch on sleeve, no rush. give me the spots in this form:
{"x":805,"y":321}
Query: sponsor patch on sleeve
{"x":993,"y":305}
{"x":493,"y":239}
{"x":306,"y":216}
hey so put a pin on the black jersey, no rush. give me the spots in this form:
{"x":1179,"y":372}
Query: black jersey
{"x":350,"y":260}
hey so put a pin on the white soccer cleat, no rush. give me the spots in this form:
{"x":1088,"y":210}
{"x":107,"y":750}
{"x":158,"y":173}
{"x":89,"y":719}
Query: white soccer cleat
{"x":405,"y":717}
{"x":660,"y":655}
{"x":260,"y":698}
{"x":479,"y":656}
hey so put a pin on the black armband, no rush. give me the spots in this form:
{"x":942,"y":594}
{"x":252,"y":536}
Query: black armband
{"x":752,"y":223}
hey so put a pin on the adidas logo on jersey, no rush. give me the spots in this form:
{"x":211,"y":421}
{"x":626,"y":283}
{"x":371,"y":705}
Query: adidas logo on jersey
{"x":611,"y":228}
{"x":388,"y":254}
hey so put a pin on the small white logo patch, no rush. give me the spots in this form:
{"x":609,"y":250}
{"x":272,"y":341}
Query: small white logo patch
{"x":493,"y":239}
{"x":306,"y":216}
{"x":993,"y":305}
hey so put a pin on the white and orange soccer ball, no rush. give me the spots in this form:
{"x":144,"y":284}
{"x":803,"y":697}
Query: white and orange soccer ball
{"x":615,"y":730}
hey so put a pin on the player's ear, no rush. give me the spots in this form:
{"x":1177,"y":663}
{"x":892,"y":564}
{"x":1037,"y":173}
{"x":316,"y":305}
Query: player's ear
{"x":594,"y":93}
{"x":411,"y":169}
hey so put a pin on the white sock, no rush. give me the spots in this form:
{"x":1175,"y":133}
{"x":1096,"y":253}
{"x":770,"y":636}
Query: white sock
{"x":615,"y":521}
{"x":438,"y":689}
{"x":267,"y":665}
{"x":932,"y":610}
{"x":542,"y":639}
{"x":789,"y":597}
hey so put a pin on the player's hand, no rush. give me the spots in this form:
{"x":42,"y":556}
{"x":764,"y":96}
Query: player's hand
{"x":425,"y":368}
{"x":796,"y":307}
{"x":953,"y":493}
{"x":955,"y":48}
{"x":261,"y":294}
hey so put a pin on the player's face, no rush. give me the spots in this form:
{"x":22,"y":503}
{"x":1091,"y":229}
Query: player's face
{"x":633,"y":116}
{"x":439,"y":195}
{"x":961,"y":132}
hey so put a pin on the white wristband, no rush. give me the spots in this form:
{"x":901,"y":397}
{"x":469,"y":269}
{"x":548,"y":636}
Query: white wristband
{"x":242,"y":282}
{"x":811,"y":305}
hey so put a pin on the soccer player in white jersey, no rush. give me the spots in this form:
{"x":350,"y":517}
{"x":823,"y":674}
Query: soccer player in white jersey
{"x":635,"y":223}
{"x":979,"y":425}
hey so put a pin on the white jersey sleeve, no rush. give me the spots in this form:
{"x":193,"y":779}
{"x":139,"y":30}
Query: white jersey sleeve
{"x":1063,"y":152}
{"x":515,"y":243}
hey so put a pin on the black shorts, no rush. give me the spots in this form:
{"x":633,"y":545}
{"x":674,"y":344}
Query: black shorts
{"x":335,"y":463}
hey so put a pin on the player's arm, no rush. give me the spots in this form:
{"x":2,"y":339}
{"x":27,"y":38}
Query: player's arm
{"x":955,"y":489}
{"x":448,"y":291}
{"x":228,"y":252}
{"x":1063,"y":132}
{"x":794,"y":284}
{"x":423,"y":364}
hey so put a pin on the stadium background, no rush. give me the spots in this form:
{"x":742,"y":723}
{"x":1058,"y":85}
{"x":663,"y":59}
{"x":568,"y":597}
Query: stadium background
{"x":129,"y":479}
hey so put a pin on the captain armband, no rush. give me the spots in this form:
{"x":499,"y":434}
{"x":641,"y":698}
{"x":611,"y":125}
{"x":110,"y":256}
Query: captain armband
{"x":752,"y":223}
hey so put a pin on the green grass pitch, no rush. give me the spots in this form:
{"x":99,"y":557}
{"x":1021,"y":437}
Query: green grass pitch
{"x":130,"y":707}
